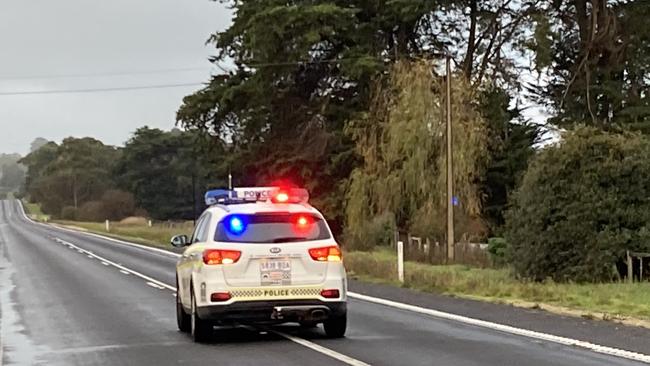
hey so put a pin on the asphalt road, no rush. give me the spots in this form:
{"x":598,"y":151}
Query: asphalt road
{"x":63,"y":301}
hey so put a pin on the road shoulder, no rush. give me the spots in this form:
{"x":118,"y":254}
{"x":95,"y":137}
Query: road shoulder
{"x":609,"y":334}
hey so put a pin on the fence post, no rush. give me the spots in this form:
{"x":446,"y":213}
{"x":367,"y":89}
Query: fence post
{"x":150,"y":224}
{"x":400,"y":261}
{"x":108,"y":226}
{"x":630,"y":270}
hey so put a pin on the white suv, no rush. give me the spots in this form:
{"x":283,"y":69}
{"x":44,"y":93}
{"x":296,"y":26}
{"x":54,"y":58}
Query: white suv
{"x":260,"y":255}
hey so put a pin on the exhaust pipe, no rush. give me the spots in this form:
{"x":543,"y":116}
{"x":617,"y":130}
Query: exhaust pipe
{"x":318,"y":314}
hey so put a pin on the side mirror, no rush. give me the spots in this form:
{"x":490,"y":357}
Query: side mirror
{"x":180,"y":241}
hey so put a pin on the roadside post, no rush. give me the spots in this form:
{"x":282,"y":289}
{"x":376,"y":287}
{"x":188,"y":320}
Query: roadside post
{"x":400,"y":261}
{"x":108,"y":225}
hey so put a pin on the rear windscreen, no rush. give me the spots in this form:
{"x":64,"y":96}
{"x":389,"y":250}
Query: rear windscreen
{"x":271,"y":228}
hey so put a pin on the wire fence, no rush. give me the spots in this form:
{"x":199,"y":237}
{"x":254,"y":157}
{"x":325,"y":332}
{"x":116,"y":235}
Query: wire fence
{"x":425,"y":250}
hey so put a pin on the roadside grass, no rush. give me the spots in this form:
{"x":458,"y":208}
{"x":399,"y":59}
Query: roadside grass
{"x":158,"y":235}
{"x":35,"y":212}
{"x":610,"y":301}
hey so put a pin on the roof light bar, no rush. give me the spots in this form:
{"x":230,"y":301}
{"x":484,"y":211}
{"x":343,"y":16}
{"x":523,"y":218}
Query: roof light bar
{"x":240,"y":195}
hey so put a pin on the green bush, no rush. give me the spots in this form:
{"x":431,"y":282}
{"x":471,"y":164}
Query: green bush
{"x":498,"y":249}
{"x":118,"y":204}
{"x":92,"y":211}
{"x":580,"y":206}
{"x":69,"y":213}
{"x":379,"y":231}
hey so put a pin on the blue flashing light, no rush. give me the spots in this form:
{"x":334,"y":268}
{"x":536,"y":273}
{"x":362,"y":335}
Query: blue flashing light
{"x":236,"y":225}
{"x":213,"y":197}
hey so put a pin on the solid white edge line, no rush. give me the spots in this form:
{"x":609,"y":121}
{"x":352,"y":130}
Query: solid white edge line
{"x":320,"y":349}
{"x":438,"y":314}
{"x":151,"y":249}
{"x":507,"y":329}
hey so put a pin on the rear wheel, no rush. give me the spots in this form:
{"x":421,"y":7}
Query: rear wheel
{"x":201,"y":330}
{"x":335,"y":327}
{"x":182,"y":318}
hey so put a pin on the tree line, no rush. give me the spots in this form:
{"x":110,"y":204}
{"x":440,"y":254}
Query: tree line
{"x":12,"y":174}
{"x":346,"y":98}
{"x":157,"y":174}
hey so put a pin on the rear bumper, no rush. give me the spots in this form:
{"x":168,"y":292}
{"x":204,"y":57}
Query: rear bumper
{"x":279,"y":311}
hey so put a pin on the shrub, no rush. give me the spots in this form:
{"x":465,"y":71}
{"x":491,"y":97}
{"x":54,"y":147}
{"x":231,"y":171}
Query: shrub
{"x":498,"y":249}
{"x":379,"y":231}
{"x":69,"y":213}
{"x":581,"y":205}
{"x":92,"y":211}
{"x":140,"y":212}
{"x":118,"y":204}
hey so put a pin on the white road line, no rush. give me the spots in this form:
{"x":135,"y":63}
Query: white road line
{"x":160,"y":285}
{"x":507,"y":329}
{"x":155,"y":285}
{"x":106,"y":264}
{"x":121,"y":267}
{"x":318,"y":348}
{"x":435,"y":313}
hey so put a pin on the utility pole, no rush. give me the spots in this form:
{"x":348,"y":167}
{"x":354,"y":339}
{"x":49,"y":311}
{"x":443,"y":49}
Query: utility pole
{"x":450,"y":172}
{"x":194,"y":198}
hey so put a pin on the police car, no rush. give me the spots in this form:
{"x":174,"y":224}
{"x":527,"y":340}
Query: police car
{"x":260,"y":255}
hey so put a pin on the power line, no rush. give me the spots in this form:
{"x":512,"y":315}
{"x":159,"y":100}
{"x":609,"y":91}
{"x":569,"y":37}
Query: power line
{"x":97,"y":90}
{"x":306,"y":62}
{"x":125,"y":73}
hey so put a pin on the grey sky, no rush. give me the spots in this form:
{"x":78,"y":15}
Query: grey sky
{"x":41,"y":38}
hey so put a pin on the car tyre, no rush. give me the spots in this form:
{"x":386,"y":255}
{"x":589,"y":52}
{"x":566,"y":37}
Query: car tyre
{"x":335,"y":327}
{"x":182,"y":318}
{"x":200,"y":329}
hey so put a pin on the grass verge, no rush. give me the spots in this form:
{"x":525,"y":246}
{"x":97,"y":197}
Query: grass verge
{"x":623,"y":302}
{"x":35,"y":212}
{"x":158,"y":235}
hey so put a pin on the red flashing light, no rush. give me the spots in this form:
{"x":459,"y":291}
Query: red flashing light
{"x":326,"y":254}
{"x":290,"y":195}
{"x":220,"y":296}
{"x":219,"y":256}
{"x":282,"y":197}
{"x":302,"y":222}
{"x":330,"y":294}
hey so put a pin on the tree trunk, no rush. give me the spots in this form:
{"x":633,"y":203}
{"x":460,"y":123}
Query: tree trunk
{"x":468,"y":63}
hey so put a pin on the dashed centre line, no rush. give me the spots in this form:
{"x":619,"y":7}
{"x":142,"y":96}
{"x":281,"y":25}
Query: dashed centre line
{"x":161,"y":285}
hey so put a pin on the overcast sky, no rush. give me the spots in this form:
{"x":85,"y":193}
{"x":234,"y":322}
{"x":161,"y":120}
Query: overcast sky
{"x":54,"y":45}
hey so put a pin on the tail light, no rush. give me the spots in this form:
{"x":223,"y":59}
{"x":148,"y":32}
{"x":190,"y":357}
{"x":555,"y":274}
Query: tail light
{"x":326,"y":254}
{"x":220,"y":296}
{"x":220,"y":256}
{"x":330,"y":294}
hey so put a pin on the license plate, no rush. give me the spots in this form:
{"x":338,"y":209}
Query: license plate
{"x":275,"y":272}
